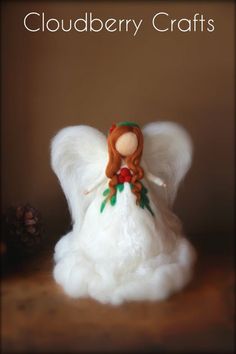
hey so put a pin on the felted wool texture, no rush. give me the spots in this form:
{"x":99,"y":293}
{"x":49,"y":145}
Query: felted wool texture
{"x":123,"y":253}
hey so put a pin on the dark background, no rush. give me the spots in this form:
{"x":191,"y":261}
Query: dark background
{"x":53,"y":80}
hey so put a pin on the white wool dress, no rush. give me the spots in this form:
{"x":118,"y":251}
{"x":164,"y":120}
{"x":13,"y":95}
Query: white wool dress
{"x":124,"y":252}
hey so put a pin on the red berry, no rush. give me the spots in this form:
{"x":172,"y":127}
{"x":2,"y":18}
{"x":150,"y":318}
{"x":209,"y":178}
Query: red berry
{"x":128,"y":178}
{"x":112,"y":128}
{"x":121,"y":179}
{"x":125,"y":172}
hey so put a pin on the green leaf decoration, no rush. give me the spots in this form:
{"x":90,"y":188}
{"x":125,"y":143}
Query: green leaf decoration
{"x":106,"y":192}
{"x":142,"y":204}
{"x":144,"y":189}
{"x":120,"y":187}
{"x":149,"y":208}
{"x":103,"y":205}
{"x":144,"y":201}
{"x":113,"y":200}
{"x":131,"y":124}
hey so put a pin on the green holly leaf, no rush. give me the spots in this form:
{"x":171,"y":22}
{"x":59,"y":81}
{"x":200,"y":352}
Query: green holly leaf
{"x":144,"y":190}
{"x":106,"y":192}
{"x":120,"y":187}
{"x":113,"y":200}
{"x":142,"y":204}
{"x":103,"y":205}
{"x":145,"y":199}
{"x":149,"y":208}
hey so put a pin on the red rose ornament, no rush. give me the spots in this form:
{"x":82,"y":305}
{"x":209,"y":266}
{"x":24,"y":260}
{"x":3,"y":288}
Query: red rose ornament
{"x":124,"y":175}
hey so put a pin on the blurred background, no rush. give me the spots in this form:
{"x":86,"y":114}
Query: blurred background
{"x":53,"y":80}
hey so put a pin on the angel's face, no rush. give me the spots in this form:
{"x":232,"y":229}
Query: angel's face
{"x":127,"y":144}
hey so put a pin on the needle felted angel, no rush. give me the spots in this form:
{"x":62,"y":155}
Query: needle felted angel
{"x":126,"y":243}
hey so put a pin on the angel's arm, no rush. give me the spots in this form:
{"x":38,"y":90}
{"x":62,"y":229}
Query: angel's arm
{"x":95,"y":184}
{"x":155,"y":179}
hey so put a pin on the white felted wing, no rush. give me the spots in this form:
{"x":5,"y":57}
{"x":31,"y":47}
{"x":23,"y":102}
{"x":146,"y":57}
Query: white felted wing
{"x":79,"y":158}
{"x":167,"y":154}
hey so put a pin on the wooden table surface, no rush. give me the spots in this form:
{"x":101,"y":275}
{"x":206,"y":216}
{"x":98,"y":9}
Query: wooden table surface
{"x":38,"y":317}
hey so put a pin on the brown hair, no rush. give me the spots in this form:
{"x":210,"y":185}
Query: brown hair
{"x":132,"y":161}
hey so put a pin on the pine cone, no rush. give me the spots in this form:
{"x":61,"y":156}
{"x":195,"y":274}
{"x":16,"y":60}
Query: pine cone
{"x":23,"y":229}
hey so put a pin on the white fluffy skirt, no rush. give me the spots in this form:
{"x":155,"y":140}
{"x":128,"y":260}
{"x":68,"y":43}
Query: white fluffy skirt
{"x":124,"y":253}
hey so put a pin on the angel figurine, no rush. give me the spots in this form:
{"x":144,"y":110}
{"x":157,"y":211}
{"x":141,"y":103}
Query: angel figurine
{"x":125,"y":243}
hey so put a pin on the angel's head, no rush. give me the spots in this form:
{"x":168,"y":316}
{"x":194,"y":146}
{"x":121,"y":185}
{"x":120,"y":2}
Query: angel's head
{"x":125,"y":142}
